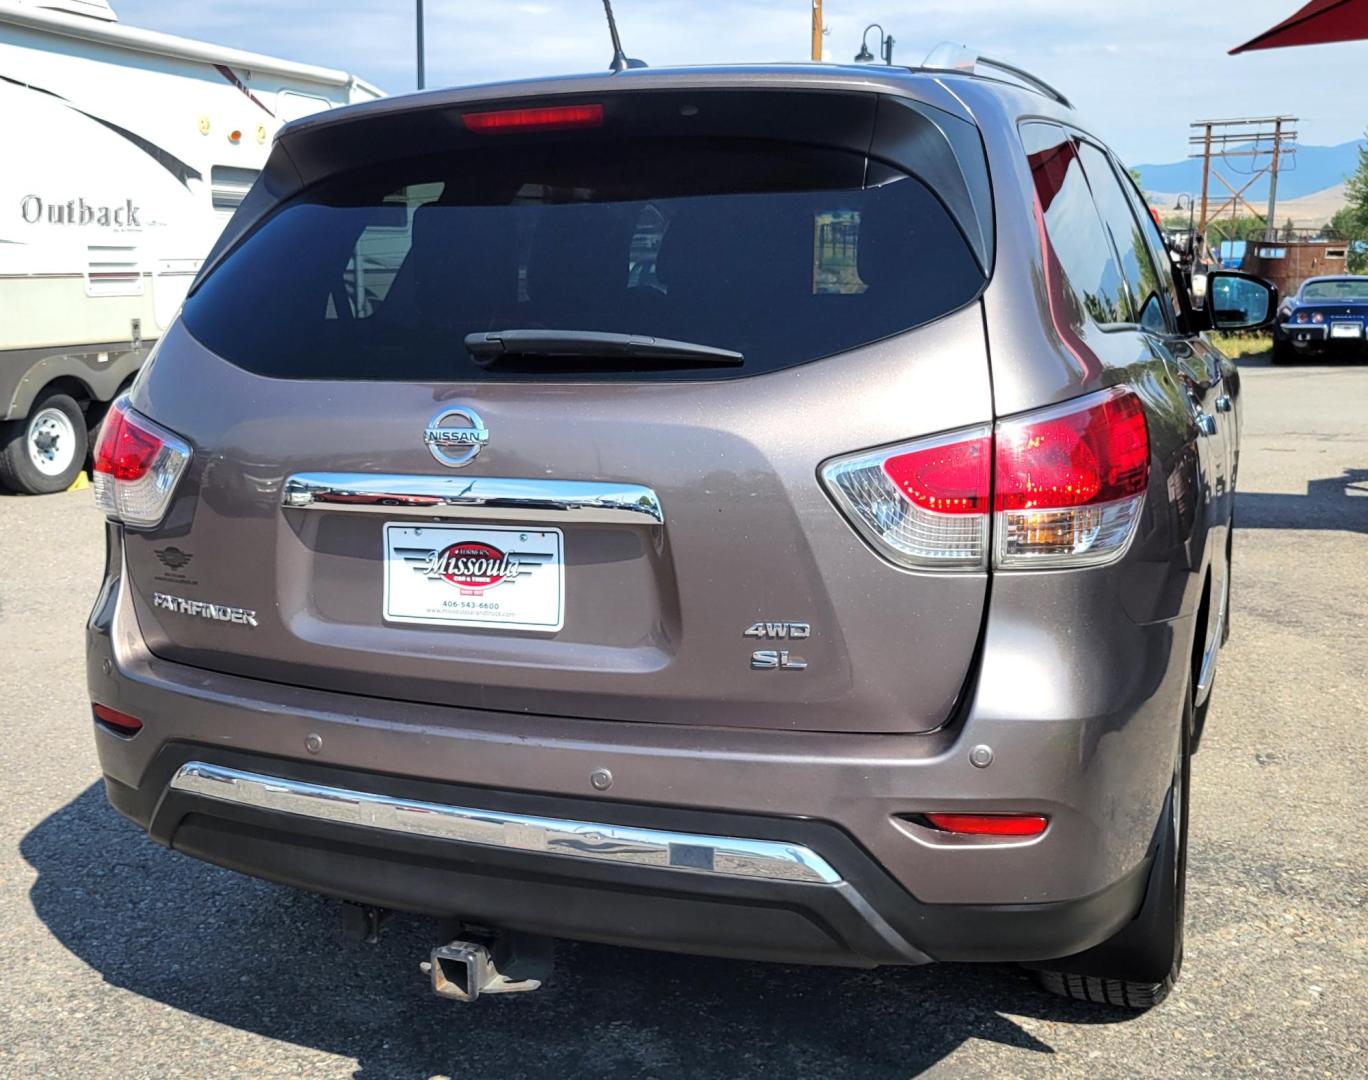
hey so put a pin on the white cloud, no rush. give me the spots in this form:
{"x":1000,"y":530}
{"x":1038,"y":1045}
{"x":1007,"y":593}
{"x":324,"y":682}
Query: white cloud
{"x":1141,"y":74}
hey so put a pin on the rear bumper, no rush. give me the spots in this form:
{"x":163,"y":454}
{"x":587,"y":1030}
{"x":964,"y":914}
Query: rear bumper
{"x":1316,"y":336}
{"x":847,"y":910}
{"x":901,"y":893}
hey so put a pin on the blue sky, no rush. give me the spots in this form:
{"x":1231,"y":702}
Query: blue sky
{"x":1139,"y":72}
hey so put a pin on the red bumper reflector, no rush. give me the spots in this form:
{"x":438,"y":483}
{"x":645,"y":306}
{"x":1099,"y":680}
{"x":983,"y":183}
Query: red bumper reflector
{"x":122,"y":723}
{"x":550,"y":118}
{"x":990,"y":824}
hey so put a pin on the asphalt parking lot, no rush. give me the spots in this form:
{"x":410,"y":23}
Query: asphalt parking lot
{"x":119,"y":958}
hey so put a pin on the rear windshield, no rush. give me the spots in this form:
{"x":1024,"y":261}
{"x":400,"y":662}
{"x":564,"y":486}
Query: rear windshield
{"x":1347,"y":289}
{"x":783,"y":253}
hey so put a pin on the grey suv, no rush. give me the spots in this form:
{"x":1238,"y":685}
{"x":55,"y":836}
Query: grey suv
{"x":775,"y":512}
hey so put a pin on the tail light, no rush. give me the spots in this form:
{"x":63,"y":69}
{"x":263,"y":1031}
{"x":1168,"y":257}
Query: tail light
{"x":1318,"y":316}
{"x":923,"y":504}
{"x":1069,"y":482}
{"x":1302,"y":317}
{"x":137,"y":465}
{"x":1062,"y":487}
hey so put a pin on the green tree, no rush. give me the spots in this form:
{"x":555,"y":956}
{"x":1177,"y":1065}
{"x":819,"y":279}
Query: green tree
{"x":1356,"y":186}
{"x":1246,"y":227}
{"x":1352,"y":221}
{"x":1349,"y":226}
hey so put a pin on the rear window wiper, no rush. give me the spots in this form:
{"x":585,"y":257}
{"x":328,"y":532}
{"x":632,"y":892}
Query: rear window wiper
{"x":488,"y":346}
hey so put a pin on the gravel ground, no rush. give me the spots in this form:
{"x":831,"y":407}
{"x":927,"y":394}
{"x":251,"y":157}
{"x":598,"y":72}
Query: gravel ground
{"x":119,"y":958}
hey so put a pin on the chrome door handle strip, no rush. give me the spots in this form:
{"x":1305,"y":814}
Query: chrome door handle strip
{"x":625,"y":845}
{"x":482,"y":498}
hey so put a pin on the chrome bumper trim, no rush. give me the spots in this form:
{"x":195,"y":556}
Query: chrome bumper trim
{"x":484,"y":498}
{"x":722,"y":856}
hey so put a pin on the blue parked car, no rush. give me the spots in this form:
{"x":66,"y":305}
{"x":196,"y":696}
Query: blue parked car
{"x":1326,"y":313}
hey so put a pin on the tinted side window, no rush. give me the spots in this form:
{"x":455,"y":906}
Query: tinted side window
{"x":1074,"y":231}
{"x":1136,"y":265}
{"x":1159,"y":250}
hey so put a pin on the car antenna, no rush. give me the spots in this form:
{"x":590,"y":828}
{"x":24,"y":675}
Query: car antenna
{"x":620,"y":61}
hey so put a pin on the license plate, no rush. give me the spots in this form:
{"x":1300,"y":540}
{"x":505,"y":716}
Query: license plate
{"x":1346,"y":329}
{"x":492,"y":577}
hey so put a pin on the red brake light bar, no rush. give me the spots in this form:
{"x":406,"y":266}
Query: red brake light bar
{"x":547,"y":118}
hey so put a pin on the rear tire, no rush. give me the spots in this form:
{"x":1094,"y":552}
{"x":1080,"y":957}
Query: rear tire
{"x":1138,"y":967}
{"x":1283,"y":353}
{"x":46,"y":451}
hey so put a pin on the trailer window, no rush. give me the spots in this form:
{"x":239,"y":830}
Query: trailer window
{"x":228,"y":186}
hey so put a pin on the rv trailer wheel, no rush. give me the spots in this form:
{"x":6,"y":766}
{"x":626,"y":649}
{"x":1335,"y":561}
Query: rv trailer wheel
{"x":44,"y":452}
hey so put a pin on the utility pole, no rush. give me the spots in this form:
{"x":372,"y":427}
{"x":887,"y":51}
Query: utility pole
{"x":1250,"y":138}
{"x":1271,"y":229}
{"x":1206,"y":175}
{"x":817,"y":29}
{"x":421,"y":77}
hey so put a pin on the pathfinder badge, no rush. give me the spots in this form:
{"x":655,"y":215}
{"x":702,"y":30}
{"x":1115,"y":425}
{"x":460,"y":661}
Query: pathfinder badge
{"x":203,"y":610}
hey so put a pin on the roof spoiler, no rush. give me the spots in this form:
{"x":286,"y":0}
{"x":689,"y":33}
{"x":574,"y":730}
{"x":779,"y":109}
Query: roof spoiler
{"x":948,"y":56}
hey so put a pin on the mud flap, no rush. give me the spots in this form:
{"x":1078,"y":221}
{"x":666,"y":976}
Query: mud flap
{"x":1144,"y":949}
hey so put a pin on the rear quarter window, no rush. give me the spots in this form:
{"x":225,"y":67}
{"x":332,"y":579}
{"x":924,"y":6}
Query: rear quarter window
{"x":785,"y":253}
{"x":1074,"y":231}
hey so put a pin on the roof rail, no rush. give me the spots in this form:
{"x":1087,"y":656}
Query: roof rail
{"x":947,"y":56}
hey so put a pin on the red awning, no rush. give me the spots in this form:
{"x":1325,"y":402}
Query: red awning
{"x":1319,"y":22}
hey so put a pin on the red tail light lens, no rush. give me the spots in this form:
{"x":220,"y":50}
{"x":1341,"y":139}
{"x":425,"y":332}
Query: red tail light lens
{"x":1302,"y":317}
{"x":1318,"y":316}
{"x":122,"y":723}
{"x":549,"y":118}
{"x":125,"y":451}
{"x":990,"y":824}
{"x":1069,"y":482}
{"x":137,"y":465}
{"x":951,"y":478}
{"x":1091,"y":453}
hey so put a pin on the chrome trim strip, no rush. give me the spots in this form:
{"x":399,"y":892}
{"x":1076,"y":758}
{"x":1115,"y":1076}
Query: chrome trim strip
{"x":1297,"y":328}
{"x":1207,"y":672}
{"x":721,"y":856}
{"x":484,"y":498}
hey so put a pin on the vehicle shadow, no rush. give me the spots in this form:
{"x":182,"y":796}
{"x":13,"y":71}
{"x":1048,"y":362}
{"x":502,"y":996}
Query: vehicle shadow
{"x":276,"y":962}
{"x":1334,"y":502}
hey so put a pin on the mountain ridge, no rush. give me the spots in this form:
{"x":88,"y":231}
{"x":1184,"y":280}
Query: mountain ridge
{"x":1316,"y":168}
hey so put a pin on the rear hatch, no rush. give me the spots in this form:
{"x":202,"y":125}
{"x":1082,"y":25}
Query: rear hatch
{"x":530,"y":418}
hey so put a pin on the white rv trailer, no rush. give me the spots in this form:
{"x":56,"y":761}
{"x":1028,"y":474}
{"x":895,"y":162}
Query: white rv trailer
{"x":126,"y":153}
